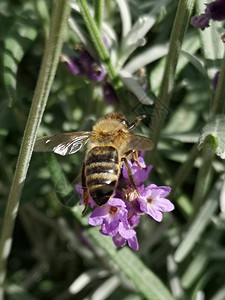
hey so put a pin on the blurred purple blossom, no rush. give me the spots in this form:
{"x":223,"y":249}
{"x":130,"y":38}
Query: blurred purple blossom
{"x":214,"y":10}
{"x":121,"y":214}
{"x":84,"y":65}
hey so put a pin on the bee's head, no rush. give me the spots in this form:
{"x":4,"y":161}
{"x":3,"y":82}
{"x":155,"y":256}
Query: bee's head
{"x":119,"y":117}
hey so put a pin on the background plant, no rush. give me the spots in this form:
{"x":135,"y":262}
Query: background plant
{"x":54,"y":254}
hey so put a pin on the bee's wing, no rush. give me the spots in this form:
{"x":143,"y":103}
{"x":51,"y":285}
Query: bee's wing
{"x":63,"y":143}
{"x":139,"y":143}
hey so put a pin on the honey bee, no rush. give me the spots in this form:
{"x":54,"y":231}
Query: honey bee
{"x":110,"y":144}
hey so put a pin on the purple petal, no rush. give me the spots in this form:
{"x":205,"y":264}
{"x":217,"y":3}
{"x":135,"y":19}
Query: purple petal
{"x":96,"y":73}
{"x":217,"y":10}
{"x":116,"y":202}
{"x":214,"y":10}
{"x":154,"y":213}
{"x":98,"y":216}
{"x":134,"y":220}
{"x":133,"y":243}
{"x":111,"y":227}
{"x":201,"y":21}
{"x":139,"y":175}
{"x":92,"y":69}
{"x":103,"y":230}
{"x":126,"y":233}
{"x":153,"y":191}
{"x":164,"y":205}
{"x":143,"y":205}
{"x":119,"y":241}
{"x":79,"y":189}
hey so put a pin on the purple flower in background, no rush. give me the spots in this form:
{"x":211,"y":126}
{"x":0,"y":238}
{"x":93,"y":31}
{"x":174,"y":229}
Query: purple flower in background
{"x":84,"y":65}
{"x":73,"y":64}
{"x":91,"y":68}
{"x":214,"y":10}
{"x":153,"y":201}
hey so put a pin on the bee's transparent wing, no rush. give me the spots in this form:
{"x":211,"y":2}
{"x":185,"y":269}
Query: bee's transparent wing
{"x":139,"y":143}
{"x":63,"y":143}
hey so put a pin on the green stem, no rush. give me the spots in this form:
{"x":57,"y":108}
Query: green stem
{"x":50,"y":60}
{"x":99,"y":6}
{"x":218,"y":101}
{"x":204,"y":176}
{"x":184,"y":170}
{"x":179,"y":27}
{"x":98,"y":43}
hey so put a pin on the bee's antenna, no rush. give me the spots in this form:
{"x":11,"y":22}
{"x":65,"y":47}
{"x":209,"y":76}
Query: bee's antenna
{"x":134,"y":124}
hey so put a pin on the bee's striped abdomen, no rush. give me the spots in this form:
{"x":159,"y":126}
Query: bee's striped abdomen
{"x":102,"y":172}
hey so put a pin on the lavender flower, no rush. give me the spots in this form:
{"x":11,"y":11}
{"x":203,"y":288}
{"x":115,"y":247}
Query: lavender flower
{"x":153,"y":201}
{"x":121,"y":214}
{"x":110,"y":216}
{"x":84,"y":65}
{"x":73,"y":65}
{"x":214,"y":10}
{"x":125,"y":235}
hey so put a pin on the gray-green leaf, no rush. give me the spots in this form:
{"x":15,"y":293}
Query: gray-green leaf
{"x":214,"y":133}
{"x":18,"y":40}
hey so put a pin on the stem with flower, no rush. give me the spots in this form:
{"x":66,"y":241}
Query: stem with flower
{"x":98,"y":43}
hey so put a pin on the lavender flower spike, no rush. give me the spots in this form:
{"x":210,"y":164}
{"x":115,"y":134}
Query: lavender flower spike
{"x":214,"y":10}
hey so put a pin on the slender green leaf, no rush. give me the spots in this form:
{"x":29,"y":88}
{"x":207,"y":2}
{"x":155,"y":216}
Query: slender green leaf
{"x":195,"y":61}
{"x":195,"y":269}
{"x":146,"y":57}
{"x":146,"y":282}
{"x":200,"y":223}
{"x":63,"y":187}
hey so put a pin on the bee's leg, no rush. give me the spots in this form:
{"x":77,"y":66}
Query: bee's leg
{"x":85,"y":191}
{"x":135,"y":159}
{"x":130,"y":175}
{"x":134,"y":124}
